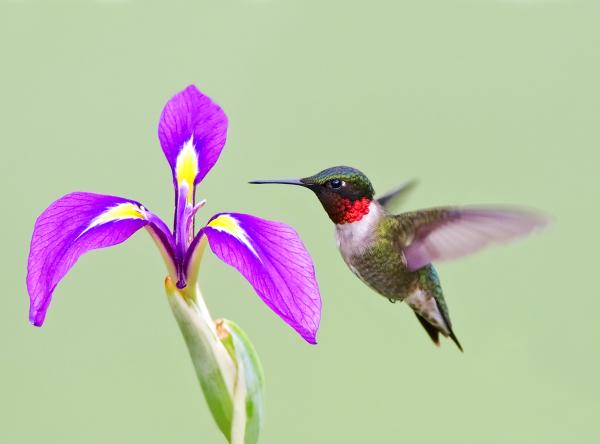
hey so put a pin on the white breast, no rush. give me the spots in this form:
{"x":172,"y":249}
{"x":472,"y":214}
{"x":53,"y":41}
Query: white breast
{"x":353,"y":238}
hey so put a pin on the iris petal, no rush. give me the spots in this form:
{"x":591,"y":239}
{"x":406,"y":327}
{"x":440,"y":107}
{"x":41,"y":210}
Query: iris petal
{"x":77,"y":223}
{"x":273,"y":259}
{"x":192,"y":132}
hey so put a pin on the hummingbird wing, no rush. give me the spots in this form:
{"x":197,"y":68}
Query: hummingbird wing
{"x":440,"y":234}
{"x":395,"y":197}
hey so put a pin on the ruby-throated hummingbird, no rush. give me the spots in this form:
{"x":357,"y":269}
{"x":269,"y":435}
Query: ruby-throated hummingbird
{"x":393,"y":254}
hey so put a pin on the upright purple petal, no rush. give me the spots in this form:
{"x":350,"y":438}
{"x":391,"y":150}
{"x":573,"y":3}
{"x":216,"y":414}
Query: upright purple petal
{"x":73,"y":225}
{"x":192,"y":132}
{"x":271,"y":256}
{"x":456,"y":232}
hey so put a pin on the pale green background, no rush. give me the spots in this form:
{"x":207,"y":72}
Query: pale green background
{"x":483,"y":101}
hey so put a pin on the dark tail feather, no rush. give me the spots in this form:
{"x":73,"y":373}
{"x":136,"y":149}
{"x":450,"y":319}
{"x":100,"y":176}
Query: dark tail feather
{"x":444,"y":312}
{"x":455,"y":339}
{"x":443,"y":308}
{"x":433,"y":332}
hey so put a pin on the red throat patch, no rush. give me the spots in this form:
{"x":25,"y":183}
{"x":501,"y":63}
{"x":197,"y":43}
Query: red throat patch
{"x":347,"y":211}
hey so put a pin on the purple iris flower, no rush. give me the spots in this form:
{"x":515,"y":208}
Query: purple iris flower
{"x":270,"y":255}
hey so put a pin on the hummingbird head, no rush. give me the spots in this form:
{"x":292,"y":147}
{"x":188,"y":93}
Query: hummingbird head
{"x":344,"y":192}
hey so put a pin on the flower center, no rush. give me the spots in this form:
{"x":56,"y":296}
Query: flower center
{"x":184,"y":227}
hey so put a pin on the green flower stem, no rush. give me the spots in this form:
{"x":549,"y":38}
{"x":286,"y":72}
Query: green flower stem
{"x":226,"y":365}
{"x":214,"y":367}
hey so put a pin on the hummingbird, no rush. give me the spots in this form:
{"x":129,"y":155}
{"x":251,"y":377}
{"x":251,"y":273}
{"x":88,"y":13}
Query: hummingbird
{"x":393,"y":253}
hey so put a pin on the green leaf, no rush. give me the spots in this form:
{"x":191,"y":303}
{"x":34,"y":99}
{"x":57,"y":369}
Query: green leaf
{"x":249,"y":388}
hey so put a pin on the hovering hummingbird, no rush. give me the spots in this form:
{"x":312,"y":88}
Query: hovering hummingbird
{"x":393,"y":253}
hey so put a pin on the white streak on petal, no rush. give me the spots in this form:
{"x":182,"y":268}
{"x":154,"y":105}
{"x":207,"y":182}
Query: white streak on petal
{"x":122,"y":211}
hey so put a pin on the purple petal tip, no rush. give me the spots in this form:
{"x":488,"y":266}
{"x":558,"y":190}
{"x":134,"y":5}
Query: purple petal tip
{"x":36,"y":318}
{"x":311,"y":340}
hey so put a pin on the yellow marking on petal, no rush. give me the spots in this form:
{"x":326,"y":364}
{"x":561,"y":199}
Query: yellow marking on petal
{"x":186,"y":168}
{"x":228,"y":224}
{"x":125,"y":210}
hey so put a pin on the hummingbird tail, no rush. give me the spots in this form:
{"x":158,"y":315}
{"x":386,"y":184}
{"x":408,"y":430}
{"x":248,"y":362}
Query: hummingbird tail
{"x":455,"y":340}
{"x":428,"y":303}
{"x":433,"y":332}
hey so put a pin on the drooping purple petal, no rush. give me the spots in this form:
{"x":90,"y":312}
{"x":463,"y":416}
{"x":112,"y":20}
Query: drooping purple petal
{"x":271,"y":256}
{"x":192,"y":132}
{"x":461,"y":231}
{"x":73,"y":225}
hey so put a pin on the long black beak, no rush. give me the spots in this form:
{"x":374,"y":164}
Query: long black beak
{"x":283,"y":181}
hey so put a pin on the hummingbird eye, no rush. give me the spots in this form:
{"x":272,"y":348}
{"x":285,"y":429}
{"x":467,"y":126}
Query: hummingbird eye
{"x":335,"y":183}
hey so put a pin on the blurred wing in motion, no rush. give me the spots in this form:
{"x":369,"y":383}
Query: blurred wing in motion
{"x":395,"y":197}
{"x":440,"y":234}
